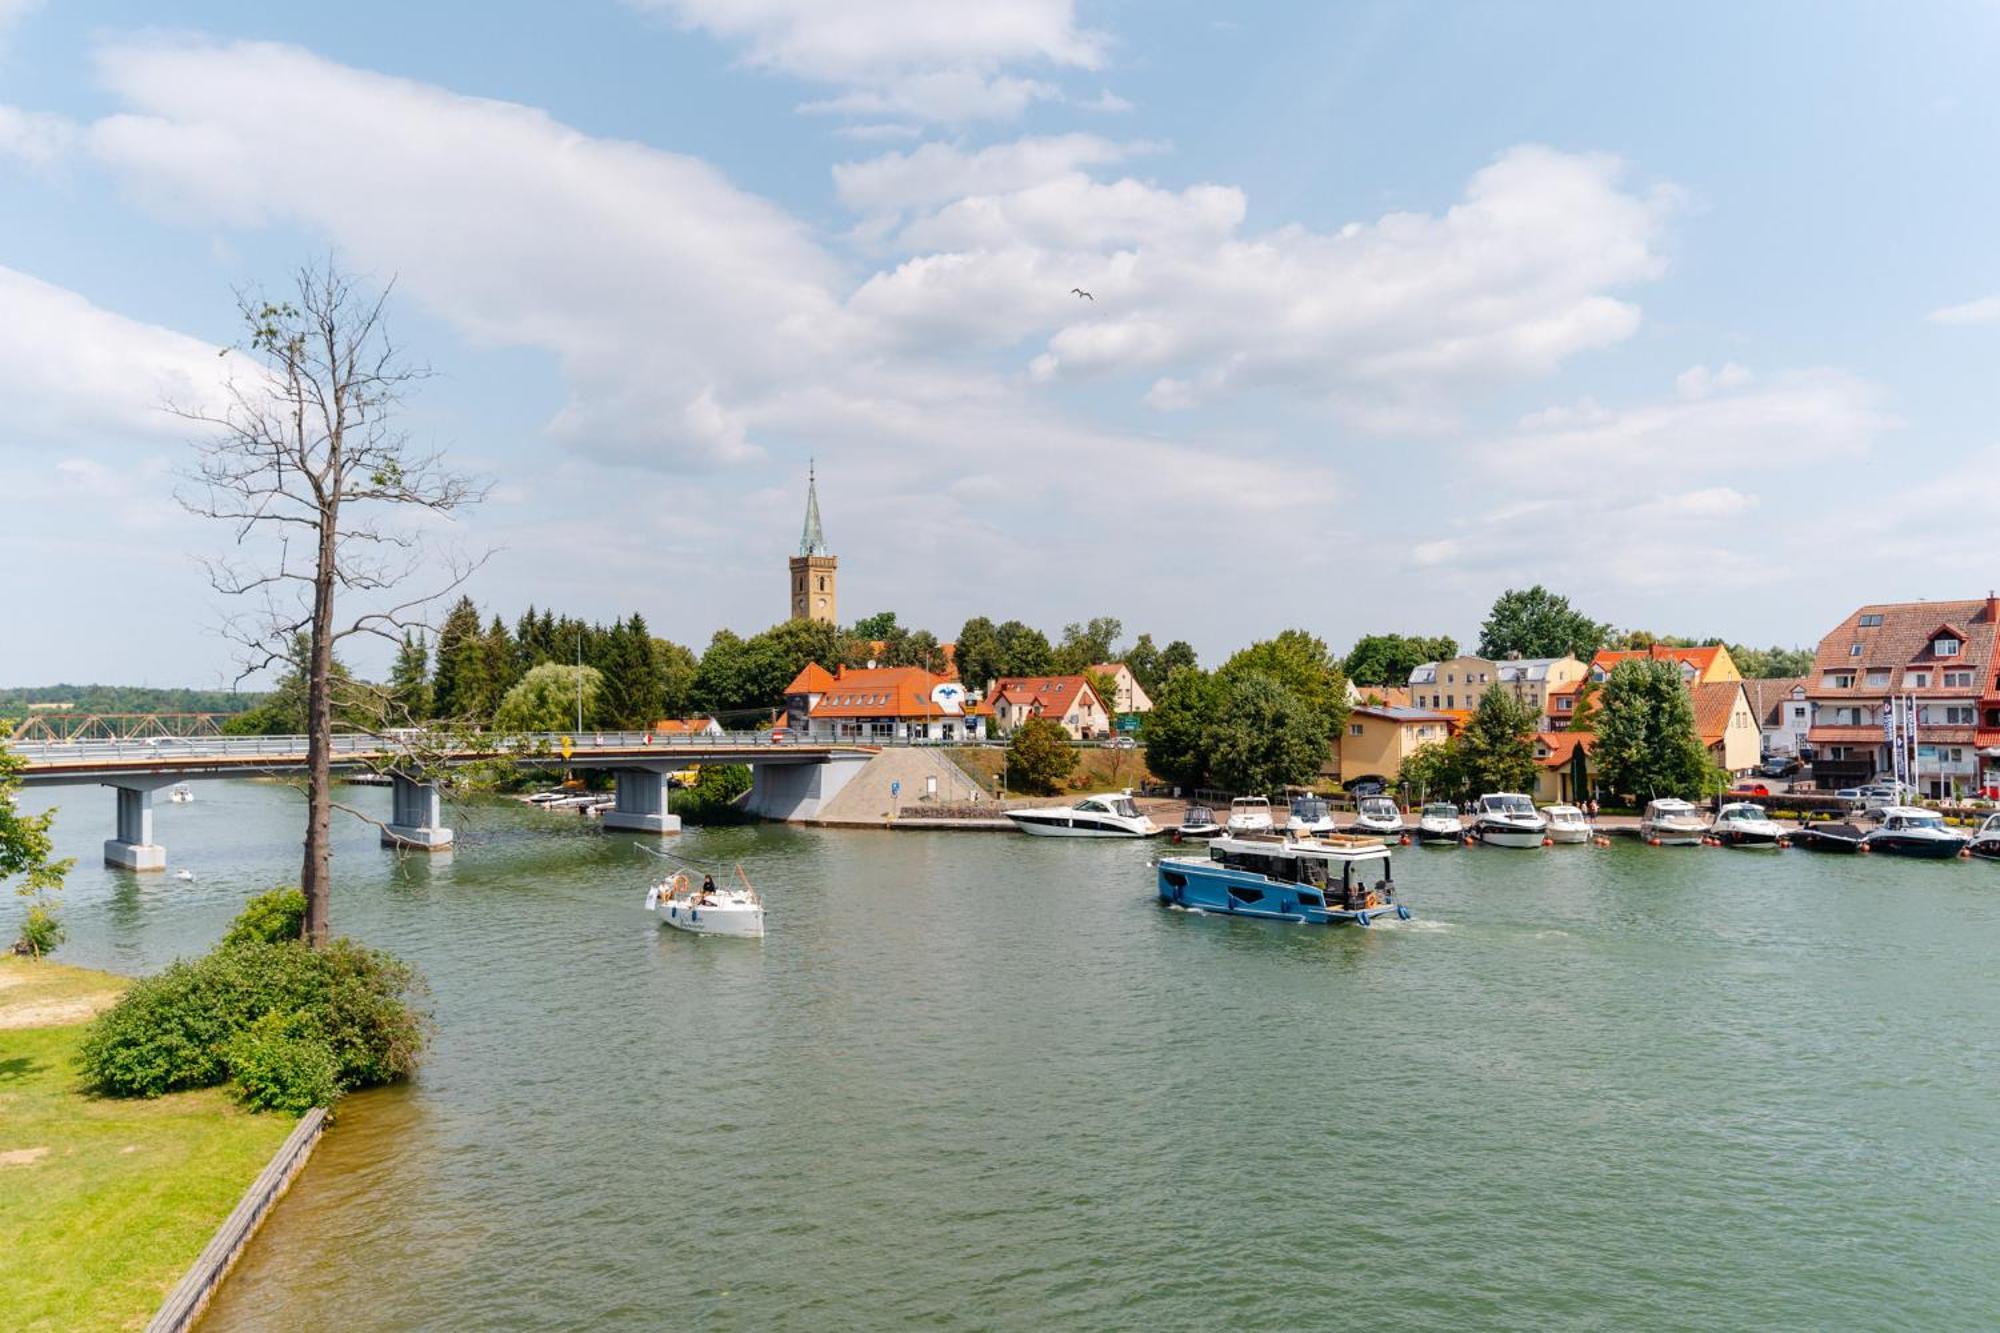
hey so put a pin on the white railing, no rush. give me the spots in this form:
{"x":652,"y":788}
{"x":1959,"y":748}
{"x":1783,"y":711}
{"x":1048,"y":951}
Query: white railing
{"x":165,"y":749}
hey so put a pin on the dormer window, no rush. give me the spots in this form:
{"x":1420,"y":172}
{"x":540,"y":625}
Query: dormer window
{"x":1944,"y":646}
{"x":1870,"y":621}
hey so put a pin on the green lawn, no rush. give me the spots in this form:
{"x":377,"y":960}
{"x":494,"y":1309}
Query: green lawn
{"x":1098,"y":768}
{"x":103,"y":1203}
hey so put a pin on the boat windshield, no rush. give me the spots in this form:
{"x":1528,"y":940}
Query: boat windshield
{"x":1308,"y":807}
{"x":1198,"y":814}
{"x":1378,"y":805}
{"x":1562,"y":812}
{"x":1741,"y":811}
{"x":1124,"y":806}
{"x":1250,"y":803}
{"x":1440,"y":811}
{"x":1507,"y":805}
{"x":1922,"y":821}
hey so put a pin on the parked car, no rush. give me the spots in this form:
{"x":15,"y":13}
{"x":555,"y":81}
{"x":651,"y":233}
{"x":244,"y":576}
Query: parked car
{"x":1367,"y":787}
{"x":1125,"y":743}
{"x":1781,"y":766}
{"x":1749,"y":789}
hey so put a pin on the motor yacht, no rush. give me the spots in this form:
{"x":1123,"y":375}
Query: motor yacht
{"x":708,"y":908}
{"x":1672,"y":822}
{"x":1985,"y":843}
{"x":1909,"y":831}
{"x":1841,"y":836}
{"x":1566,"y":824}
{"x":1377,"y":816}
{"x":180,"y":793}
{"x":1509,"y":819}
{"x":1249,"y":814}
{"x":1308,"y":818}
{"x":1743,"y":824}
{"x":1092,"y":817}
{"x":1438,"y":824}
{"x":1308,"y":881}
{"x":1199,"y":822}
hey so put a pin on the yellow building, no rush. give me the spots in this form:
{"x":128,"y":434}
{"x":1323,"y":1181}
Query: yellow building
{"x":1378,"y":740}
{"x":1457,"y":684}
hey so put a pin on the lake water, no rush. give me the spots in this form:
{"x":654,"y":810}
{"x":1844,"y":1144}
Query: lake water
{"x":986,"y":1081}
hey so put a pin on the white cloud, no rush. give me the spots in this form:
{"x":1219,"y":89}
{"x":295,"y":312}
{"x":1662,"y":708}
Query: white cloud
{"x":38,"y":138}
{"x":1383,"y":320}
{"x":670,"y":297}
{"x":1986,"y":310}
{"x":1700,"y":381}
{"x":939,"y":173}
{"x":934,"y":59}
{"x":13,"y":11}
{"x":72,"y":372}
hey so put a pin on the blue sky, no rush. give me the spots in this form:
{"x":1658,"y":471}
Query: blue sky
{"x":1692,"y":313}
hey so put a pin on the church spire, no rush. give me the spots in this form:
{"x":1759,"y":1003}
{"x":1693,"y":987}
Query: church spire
{"x":812,"y":541}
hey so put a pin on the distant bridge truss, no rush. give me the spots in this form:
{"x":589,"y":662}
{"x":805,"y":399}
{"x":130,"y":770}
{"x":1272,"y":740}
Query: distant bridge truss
{"x":55,"y":726}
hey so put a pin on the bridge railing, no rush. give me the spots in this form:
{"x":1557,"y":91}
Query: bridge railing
{"x":360,"y":745}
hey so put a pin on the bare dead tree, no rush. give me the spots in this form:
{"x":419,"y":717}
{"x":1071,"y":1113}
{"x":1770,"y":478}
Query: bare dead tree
{"x":326,"y":499}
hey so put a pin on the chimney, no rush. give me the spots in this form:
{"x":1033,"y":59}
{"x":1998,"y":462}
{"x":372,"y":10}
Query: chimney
{"x":1992,"y":607}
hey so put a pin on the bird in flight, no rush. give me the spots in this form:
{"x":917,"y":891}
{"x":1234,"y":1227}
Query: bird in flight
{"x":1084,"y":295}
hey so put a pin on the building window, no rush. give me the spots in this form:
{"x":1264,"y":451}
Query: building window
{"x":1870,"y":621}
{"x":1839,"y":680}
{"x":1880,"y":677}
{"x":1854,"y":650}
{"x":1944,"y":647}
{"x":1917,"y":680}
{"x":1450,"y":701}
{"x":1564,"y":704}
{"x":1354,"y":728}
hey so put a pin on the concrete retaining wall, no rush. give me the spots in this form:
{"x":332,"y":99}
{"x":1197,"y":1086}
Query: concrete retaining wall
{"x":198,"y":1285}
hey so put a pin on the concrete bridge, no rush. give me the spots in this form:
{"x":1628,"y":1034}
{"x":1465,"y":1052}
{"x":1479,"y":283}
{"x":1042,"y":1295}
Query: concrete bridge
{"x":791,"y":780}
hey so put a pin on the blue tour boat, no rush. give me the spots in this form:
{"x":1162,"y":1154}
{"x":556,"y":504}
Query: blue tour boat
{"x":1320,"y":881}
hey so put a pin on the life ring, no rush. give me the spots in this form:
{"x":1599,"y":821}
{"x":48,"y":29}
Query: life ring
{"x":678,"y":883}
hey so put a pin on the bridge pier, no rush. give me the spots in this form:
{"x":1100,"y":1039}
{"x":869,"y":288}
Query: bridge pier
{"x":134,"y":848}
{"x":641,"y":798}
{"x":418,"y":819}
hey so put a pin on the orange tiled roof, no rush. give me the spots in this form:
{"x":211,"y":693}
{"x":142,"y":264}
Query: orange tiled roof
{"x":812,"y":679}
{"x":881,"y":692}
{"x":1902,"y":636}
{"x":681,"y":726}
{"x":1046,"y":692}
{"x":1561,"y":745}
{"x":1701,"y":659}
{"x":1714,"y":701}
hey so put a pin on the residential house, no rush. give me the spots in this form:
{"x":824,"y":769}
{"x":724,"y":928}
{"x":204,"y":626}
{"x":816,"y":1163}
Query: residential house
{"x":1698,"y":666}
{"x":1728,"y":725}
{"x":1939,"y":655}
{"x":1456,"y":685}
{"x":687,"y":726}
{"x":1128,"y":695}
{"x":1391,"y":696}
{"x":1378,"y":740}
{"x":1069,"y":700}
{"x":1784,"y":714}
{"x":879,"y":704}
{"x":1555,"y":767}
{"x":1532,"y":680}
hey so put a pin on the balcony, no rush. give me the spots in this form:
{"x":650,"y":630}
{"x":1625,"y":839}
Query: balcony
{"x":1833,"y":774}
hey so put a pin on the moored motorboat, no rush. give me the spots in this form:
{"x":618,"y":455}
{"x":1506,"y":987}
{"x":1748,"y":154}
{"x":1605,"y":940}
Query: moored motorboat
{"x":1743,"y":824}
{"x":1250,"y":814}
{"x":1438,"y":825}
{"x":1377,"y":816}
{"x":708,"y":908}
{"x":1672,"y":822}
{"x":1910,"y":831}
{"x":1092,"y":817}
{"x":1840,"y":836}
{"x":1309,"y":881}
{"x":1509,"y":819}
{"x":1198,"y":822}
{"x":1985,"y":843}
{"x":1308,"y":818}
{"x":1566,"y":824}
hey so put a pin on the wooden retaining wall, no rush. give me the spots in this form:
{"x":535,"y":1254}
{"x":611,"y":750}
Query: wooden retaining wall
{"x":190,"y":1296}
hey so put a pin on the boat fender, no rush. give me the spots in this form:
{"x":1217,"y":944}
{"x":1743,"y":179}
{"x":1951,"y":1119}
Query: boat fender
{"x":1404,"y":840}
{"x":1860,"y":846}
{"x":1548,"y":842}
{"x":1652,"y":842}
{"x":1965,"y":854}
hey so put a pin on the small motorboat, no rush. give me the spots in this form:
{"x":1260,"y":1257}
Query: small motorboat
{"x":1743,"y":824}
{"x":1985,"y":843}
{"x":1909,"y":831}
{"x":187,"y":875}
{"x":1305,"y":881}
{"x":1309,"y":817}
{"x":1830,"y":837}
{"x":1566,"y":824}
{"x":1672,"y":822}
{"x":1438,"y":825}
{"x":1199,"y":822}
{"x":1377,"y":817}
{"x":708,"y":908}
{"x":1092,"y":817}
{"x":180,"y":793}
{"x":1509,"y":819}
{"x":1249,"y":814}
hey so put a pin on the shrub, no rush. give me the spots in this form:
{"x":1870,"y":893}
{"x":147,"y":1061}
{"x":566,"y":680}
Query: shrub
{"x":714,"y":797}
{"x":279,"y":1063}
{"x":41,"y":932}
{"x":1040,"y":756}
{"x":269,"y":918}
{"x":181,"y":1028}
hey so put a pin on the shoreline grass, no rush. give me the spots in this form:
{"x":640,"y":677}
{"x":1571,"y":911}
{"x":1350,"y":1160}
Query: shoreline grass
{"x":104,"y":1202}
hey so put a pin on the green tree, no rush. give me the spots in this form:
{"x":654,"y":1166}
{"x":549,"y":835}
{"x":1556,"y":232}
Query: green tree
{"x":920,"y":648}
{"x":285,"y":709}
{"x":677,"y":666}
{"x":27,"y":853}
{"x":1299,"y":662}
{"x":1497,"y":748}
{"x":1388,"y":659}
{"x":1176,"y":731}
{"x":409,"y":681}
{"x":1106,"y":686}
{"x":1647,"y":744}
{"x":977,"y":652}
{"x":1088,"y":644}
{"x":1265,"y":735}
{"x":1022,"y":651}
{"x":546,"y":698}
{"x":1039,"y":755}
{"x":745,"y":675}
{"x":1771,"y":663}
{"x":461,"y":684}
{"x":1434,"y":772}
{"x":881,"y":625}
{"x":1535,"y":622}
{"x":1173,"y":657}
{"x":1143,"y":660}
{"x":634,"y":690}
{"x":1583,"y":716}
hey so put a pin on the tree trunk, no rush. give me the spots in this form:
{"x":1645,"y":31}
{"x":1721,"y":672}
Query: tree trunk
{"x":316,"y":874}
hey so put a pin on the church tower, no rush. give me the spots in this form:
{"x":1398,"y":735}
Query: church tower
{"x":815,"y":574}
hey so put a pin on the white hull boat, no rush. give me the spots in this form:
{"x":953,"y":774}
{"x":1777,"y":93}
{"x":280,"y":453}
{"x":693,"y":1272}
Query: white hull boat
{"x":181,"y":793}
{"x":698,"y":910}
{"x":1309,"y":818}
{"x":1377,"y":817}
{"x":1741,"y":824}
{"x":1091,"y":817}
{"x":1509,"y":819}
{"x":1671,"y":822}
{"x":1249,"y":814}
{"x":1566,"y":824}
{"x":1439,"y":825}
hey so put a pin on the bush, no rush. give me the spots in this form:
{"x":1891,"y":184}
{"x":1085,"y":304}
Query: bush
{"x":714,"y":797}
{"x":269,"y":918}
{"x":41,"y":932}
{"x":1039,"y":756}
{"x":181,"y":1028}
{"x":279,"y":1063}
